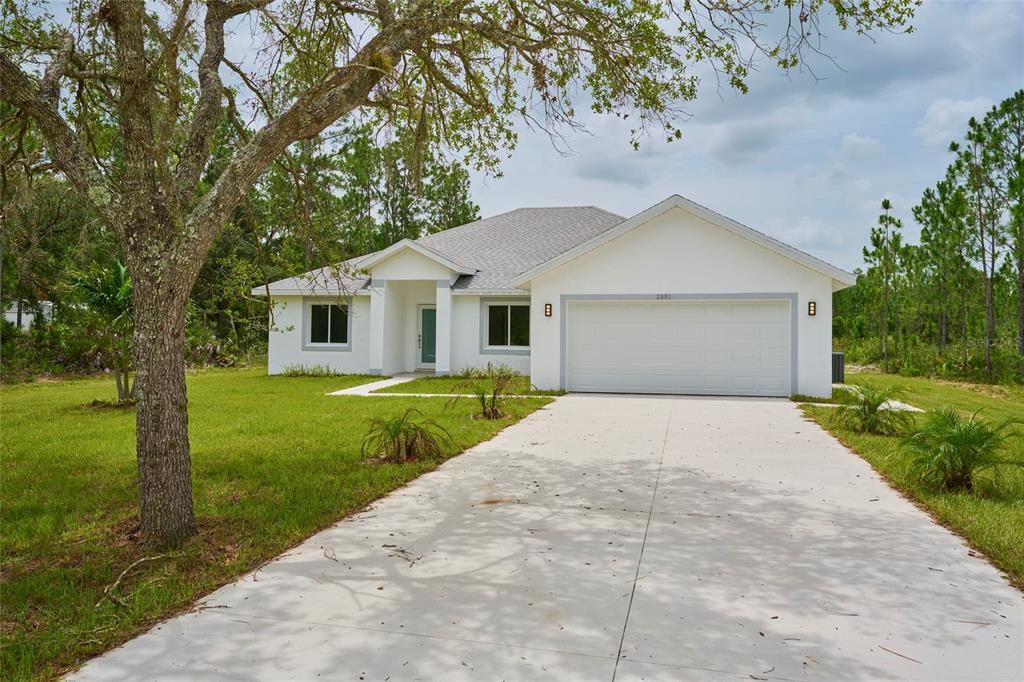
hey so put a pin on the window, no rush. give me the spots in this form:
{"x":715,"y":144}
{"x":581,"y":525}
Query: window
{"x":508,"y":325}
{"x":328,"y":324}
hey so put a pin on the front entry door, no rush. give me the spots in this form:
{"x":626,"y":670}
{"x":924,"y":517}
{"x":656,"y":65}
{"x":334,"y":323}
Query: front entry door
{"x":428,"y":336}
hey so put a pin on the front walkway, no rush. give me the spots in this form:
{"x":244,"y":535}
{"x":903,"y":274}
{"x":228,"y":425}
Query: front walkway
{"x":368,"y":389}
{"x":615,"y":538}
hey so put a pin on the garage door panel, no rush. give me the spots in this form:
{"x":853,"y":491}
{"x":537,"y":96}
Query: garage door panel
{"x":709,"y":347}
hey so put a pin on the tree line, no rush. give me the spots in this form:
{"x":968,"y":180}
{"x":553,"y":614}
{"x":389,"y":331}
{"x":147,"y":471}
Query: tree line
{"x":952,"y":304}
{"x":128,"y":99}
{"x":329,"y":199}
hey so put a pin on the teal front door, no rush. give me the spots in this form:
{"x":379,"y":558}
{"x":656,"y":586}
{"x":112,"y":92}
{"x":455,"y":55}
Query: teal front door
{"x":428,"y":335}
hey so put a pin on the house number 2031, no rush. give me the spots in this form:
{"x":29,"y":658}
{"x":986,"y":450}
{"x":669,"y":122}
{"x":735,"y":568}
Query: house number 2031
{"x":662,"y":297}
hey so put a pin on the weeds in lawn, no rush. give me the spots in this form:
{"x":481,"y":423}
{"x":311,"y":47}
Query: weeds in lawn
{"x":490,"y":387}
{"x":404,"y":437}
{"x":949,"y":450}
{"x":309,"y":371}
{"x":98,"y":404}
{"x":868,"y":409}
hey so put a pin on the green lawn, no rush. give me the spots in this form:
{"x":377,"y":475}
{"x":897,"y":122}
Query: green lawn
{"x":274,"y":460}
{"x":447,"y":385}
{"x":991,"y":519}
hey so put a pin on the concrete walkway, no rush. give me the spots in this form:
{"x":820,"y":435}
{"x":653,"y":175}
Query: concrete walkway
{"x":370,"y":388}
{"x":615,"y":538}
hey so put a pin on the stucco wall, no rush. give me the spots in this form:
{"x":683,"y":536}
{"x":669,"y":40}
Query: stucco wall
{"x":285,"y":339}
{"x":466,"y":338}
{"x":407,"y":264}
{"x":400,"y":328}
{"x":679,"y":253}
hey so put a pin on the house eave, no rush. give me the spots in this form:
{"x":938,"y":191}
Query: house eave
{"x":322,"y":292}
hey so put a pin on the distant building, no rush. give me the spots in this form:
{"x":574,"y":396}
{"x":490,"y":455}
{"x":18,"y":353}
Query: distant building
{"x":20,"y":314}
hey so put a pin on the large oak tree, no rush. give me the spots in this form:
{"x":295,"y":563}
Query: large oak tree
{"x":127,"y":96}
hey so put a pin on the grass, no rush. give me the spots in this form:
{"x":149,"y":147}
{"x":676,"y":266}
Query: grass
{"x":274,"y":460}
{"x":445,"y":385}
{"x":992,"y":519}
{"x":834,"y":399}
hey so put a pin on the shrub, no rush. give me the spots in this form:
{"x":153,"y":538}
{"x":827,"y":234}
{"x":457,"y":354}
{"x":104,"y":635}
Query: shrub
{"x":309,"y":371}
{"x":866,"y":409}
{"x":489,"y":387}
{"x":403,"y":437}
{"x":950,"y":451}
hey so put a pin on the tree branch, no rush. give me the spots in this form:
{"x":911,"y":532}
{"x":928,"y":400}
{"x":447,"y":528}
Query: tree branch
{"x":64,"y":146}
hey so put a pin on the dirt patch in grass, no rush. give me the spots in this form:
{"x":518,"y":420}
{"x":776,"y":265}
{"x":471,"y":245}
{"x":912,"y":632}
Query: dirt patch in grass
{"x":110,"y":405}
{"x":990,"y":390}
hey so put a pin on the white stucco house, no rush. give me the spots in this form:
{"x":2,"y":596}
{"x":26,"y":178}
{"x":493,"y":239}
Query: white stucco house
{"x":676,"y":299}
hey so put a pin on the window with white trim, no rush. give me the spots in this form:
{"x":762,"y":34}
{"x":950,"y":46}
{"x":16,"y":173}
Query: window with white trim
{"x":508,"y":325}
{"x":328,"y":324}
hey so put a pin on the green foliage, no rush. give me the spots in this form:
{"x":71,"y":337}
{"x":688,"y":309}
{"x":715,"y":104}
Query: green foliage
{"x":309,"y":371}
{"x":456,"y":384}
{"x":992,"y":522}
{"x":952,"y":305}
{"x":867,"y":408}
{"x":489,"y":386}
{"x":950,"y":451}
{"x":107,"y":294}
{"x":409,"y":436}
{"x":262,"y":485}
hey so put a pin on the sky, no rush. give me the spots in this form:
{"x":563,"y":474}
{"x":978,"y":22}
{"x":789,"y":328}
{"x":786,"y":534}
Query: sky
{"x":805,"y":158}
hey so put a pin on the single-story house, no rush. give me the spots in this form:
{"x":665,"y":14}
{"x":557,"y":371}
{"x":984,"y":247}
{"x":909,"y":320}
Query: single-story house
{"x":676,"y":299}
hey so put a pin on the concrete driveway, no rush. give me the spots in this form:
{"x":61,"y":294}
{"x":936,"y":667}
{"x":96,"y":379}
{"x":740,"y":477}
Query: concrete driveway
{"x":615,"y":538}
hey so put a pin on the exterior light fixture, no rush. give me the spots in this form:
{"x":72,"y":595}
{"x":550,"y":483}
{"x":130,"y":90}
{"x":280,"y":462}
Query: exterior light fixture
{"x":812,"y":308}
{"x":547,"y":310}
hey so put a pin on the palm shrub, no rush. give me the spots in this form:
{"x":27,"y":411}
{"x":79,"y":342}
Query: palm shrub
{"x":866,"y":409}
{"x":950,"y":451}
{"x":107,"y":295}
{"x":404,"y":437}
{"x":490,"y":388}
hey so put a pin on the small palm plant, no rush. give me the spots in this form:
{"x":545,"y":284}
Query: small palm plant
{"x":404,"y":437}
{"x":949,"y":450}
{"x":869,"y":409}
{"x":107,"y":294}
{"x":489,"y":387}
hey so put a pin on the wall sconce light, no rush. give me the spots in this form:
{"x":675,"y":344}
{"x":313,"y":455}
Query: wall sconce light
{"x":812,"y":308}
{"x":547,"y":310}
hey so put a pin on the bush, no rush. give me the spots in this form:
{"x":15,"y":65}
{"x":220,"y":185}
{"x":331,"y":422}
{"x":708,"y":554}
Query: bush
{"x":309,"y":371}
{"x":949,"y":451}
{"x":404,"y":437}
{"x":489,"y":386}
{"x":866,"y":409}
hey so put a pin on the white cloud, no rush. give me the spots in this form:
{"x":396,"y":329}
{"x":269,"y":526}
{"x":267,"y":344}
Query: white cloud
{"x":805,"y":233}
{"x":800,"y":150}
{"x":856,"y":146}
{"x":946,"y":119}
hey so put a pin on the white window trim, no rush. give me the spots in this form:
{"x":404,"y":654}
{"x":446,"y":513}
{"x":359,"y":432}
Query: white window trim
{"x":486,"y":326}
{"x":307,"y":326}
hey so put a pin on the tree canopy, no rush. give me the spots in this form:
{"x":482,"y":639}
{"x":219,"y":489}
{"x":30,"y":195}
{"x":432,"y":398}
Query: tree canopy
{"x":128,"y":97}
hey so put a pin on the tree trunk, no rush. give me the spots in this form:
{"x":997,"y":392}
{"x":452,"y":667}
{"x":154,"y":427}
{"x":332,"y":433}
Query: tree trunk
{"x":1020,"y":308}
{"x":990,"y":318}
{"x":165,"y":474}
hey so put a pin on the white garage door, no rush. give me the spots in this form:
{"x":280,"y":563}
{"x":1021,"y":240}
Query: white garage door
{"x":703,"y":347}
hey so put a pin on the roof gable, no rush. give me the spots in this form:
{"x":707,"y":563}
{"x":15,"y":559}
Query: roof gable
{"x":838,"y":275}
{"x":407,"y":244}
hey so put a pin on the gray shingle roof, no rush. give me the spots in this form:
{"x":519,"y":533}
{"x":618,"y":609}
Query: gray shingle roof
{"x":498,"y":248}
